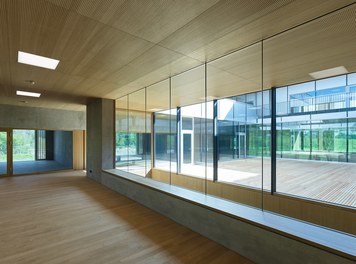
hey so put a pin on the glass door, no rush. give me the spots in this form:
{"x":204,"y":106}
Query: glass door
{"x":5,"y":155}
{"x":242,"y":145}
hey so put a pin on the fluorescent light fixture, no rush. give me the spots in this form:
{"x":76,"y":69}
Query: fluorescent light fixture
{"x":23,"y":93}
{"x":36,"y":60}
{"x":328,"y":72}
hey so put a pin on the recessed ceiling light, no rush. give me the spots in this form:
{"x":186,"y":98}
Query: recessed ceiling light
{"x":36,"y":60}
{"x":329,"y":72}
{"x":23,"y":93}
{"x":155,"y":109}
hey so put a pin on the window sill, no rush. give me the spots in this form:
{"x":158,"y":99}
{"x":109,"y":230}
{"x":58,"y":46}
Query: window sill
{"x":333,"y":241}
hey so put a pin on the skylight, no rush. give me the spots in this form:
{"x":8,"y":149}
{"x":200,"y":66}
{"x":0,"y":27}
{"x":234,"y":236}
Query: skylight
{"x":36,"y":60}
{"x":328,"y":72}
{"x":30,"y":94}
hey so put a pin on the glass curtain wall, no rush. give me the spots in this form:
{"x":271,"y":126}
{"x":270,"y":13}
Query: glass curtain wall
{"x":188,"y":103}
{"x":186,"y":143}
{"x":234,"y":84}
{"x":259,"y":120}
{"x":314,"y":109}
{"x":163,"y":138}
{"x":315,"y":137}
{"x":138,"y":136}
{"x":122,"y":134}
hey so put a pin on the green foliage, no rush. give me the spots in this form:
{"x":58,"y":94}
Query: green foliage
{"x":23,"y":145}
{"x":3,"y":150}
{"x":125,"y":140}
{"x":328,"y":140}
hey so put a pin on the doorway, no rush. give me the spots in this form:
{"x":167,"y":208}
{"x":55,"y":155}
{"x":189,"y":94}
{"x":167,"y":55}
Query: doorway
{"x":241,"y":145}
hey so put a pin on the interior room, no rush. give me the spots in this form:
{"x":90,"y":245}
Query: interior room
{"x":170,"y":131}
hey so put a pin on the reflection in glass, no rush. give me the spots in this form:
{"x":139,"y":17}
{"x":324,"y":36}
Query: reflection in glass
{"x":315,"y":145}
{"x":164,"y":140}
{"x":139,"y":140}
{"x":210,"y":129}
{"x":188,"y":96}
{"x":196,"y":144}
{"x":122,"y":136}
{"x":240,"y":142}
{"x":158,"y":105}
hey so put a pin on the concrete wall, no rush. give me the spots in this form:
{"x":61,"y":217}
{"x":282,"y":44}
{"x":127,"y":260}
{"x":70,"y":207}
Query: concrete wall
{"x":258,"y":244}
{"x":100,"y":137}
{"x":41,"y":118}
{"x":63,"y":148}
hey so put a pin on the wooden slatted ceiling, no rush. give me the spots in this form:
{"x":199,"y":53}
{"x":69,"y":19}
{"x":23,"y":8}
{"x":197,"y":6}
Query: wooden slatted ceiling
{"x":109,"y":48}
{"x":288,"y":59}
{"x":320,"y":45}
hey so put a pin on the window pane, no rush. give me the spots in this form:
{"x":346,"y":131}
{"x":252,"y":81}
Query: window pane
{"x":158,"y":105}
{"x":330,"y":93}
{"x":240,"y":140}
{"x":122,"y":136}
{"x":138,"y":139}
{"x":351,"y":78}
{"x":301,"y":97}
{"x":312,"y":135}
{"x":188,"y":96}
{"x":352,"y":140}
{"x":235,"y":81}
{"x":314,"y":151}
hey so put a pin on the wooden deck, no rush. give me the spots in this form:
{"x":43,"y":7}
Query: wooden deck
{"x":331,"y":182}
{"x":67,"y":218}
{"x":326,"y":181}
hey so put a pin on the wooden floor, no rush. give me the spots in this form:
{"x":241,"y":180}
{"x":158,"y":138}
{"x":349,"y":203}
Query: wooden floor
{"x":66,"y":218}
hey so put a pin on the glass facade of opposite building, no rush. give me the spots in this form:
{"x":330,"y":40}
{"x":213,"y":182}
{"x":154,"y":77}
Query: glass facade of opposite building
{"x":229,"y":140}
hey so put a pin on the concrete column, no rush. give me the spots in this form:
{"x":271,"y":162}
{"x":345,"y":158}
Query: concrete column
{"x":100,"y":137}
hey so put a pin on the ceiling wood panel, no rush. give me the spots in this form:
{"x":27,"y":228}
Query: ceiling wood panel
{"x":279,"y":17}
{"x":5,"y":73}
{"x":223,"y":18}
{"x":322,"y":44}
{"x":109,"y":48}
{"x":62,"y":3}
{"x":152,"y":20}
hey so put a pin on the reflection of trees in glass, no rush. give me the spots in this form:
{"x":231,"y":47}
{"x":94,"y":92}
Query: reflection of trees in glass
{"x":340,"y":141}
{"x":126,"y":143}
{"x":352,"y":138}
{"x":328,"y":140}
